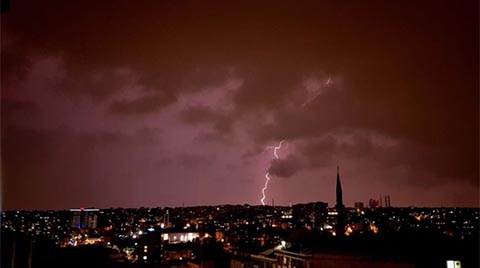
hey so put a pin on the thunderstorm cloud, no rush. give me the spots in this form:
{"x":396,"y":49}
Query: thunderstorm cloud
{"x":109,"y":103}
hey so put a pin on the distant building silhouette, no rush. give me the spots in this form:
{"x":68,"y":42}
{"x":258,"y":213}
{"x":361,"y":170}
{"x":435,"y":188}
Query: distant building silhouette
{"x":359,"y":205}
{"x":340,"y":225}
{"x":383,"y":201}
{"x":373,"y":203}
{"x":84,"y":218}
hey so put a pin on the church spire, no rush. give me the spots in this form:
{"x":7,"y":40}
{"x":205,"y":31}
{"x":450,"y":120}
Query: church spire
{"x":339,"y":190}
{"x":340,"y":225}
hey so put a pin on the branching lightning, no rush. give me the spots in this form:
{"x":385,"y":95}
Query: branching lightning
{"x":267,"y":175}
{"x":313,"y":95}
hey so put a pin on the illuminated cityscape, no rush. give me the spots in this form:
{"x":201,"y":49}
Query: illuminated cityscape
{"x":300,"y":235}
{"x":239,"y":134}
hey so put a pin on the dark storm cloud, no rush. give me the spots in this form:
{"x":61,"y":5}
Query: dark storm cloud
{"x":323,"y":152}
{"x":370,"y":147}
{"x":189,"y":160}
{"x":188,"y":78}
{"x":161,"y":89}
{"x":285,"y":168}
{"x":412,"y":113}
{"x":408,"y":71}
{"x":142,"y":136}
{"x":212,"y":136}
{"x":99,"y":85}
{"x":142,"y":105}
{"x":417,"y":158}
{"x":267,"y":88}
{"x":91,"y":46}
{"x":220,"y":120}
{"x":318,"y":152}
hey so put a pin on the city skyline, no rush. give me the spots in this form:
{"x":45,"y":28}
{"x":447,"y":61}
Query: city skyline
{"x":170,"y":104}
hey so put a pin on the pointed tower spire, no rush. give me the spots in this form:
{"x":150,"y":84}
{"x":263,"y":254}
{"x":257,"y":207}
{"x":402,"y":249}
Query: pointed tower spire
{"x":340,"y":225}
{"x":339,"y":189}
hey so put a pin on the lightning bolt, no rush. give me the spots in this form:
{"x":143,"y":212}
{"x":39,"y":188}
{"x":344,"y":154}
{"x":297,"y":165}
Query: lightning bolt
{"x":267,"y":175}
{"x":267,"y":179}
{"x":317,"y":93}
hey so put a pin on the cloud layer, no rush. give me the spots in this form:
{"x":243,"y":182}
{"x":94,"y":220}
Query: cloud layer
{"x":163,"y":103}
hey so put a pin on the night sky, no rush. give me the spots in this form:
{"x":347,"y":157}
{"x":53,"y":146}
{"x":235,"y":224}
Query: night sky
{"x":171,"y":103}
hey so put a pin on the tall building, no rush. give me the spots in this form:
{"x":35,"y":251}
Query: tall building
{"x":340,"y":226}
{"x":84,"y":218}
{"x":359,"y":205}
{"x":373,"y":203}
